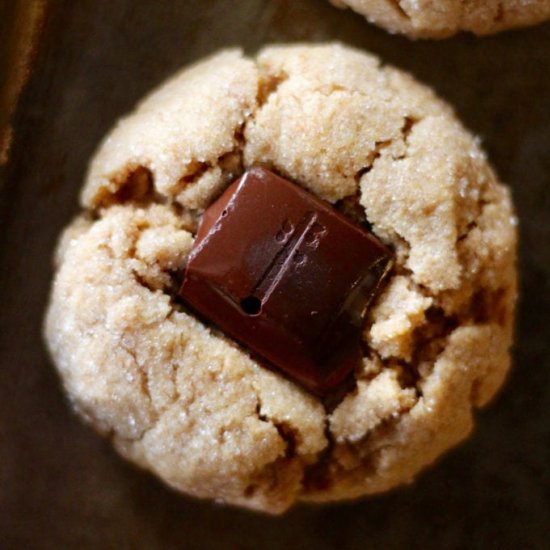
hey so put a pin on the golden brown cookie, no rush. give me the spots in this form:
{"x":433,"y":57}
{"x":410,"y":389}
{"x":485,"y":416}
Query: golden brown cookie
{"x":180,"y":398}
{"x":443,"y":18}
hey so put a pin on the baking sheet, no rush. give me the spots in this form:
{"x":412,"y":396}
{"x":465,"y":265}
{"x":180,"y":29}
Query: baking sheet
{"x":61,"y":486}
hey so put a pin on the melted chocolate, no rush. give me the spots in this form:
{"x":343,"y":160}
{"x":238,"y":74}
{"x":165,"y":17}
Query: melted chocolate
{"x":286,"y":275}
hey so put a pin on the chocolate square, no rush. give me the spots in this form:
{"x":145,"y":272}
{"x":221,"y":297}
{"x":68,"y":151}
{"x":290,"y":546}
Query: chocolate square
{"x":286,"y":275}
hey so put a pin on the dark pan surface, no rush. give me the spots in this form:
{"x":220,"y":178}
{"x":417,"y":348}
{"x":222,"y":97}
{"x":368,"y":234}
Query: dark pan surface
{"x":61,"y":486}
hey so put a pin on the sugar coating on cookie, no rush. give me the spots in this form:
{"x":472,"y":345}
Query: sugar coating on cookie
{"x":183,"y":400}
{"x":443,"y":18}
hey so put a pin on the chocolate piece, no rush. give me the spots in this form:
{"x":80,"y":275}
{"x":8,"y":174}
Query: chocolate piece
{"x":287,"y":276}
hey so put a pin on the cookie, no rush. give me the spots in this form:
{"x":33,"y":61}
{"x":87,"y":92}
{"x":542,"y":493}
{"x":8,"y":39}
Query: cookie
{"x":175,"y":392}
{"x":428,"y":19}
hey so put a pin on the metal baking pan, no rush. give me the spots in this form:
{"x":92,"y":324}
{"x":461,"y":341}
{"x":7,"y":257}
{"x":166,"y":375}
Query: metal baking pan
{"x":61,"y":485}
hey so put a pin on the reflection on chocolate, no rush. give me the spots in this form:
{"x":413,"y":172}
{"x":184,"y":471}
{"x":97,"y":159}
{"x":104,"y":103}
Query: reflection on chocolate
{"x":287,"y":276}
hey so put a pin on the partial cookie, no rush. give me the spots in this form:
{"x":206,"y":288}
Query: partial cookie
{"x":178,"y":396}
{"x":429,"y":19}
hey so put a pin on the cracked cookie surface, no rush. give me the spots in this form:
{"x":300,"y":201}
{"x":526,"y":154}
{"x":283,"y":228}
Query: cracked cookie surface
{"x":180,"y":398}
{"x":429,"y":19}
